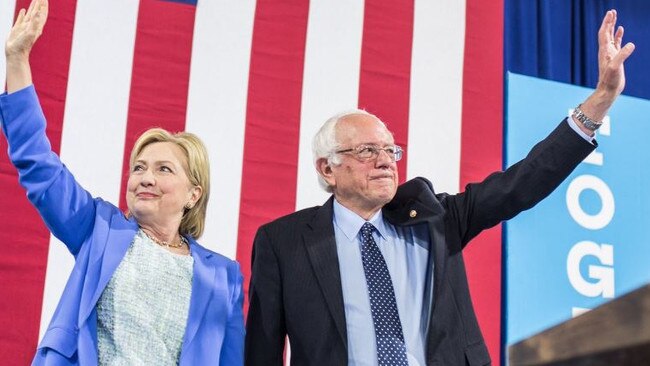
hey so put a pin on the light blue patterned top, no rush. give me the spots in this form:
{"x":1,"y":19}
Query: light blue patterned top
{"x":142,"y":313}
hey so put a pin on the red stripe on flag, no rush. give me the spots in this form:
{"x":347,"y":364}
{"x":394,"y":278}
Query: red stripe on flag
{"x":161,"y":71}
{"x":270,"y":163}
{"x":481,"y":154}
{"x":25,"y":237}
{"x":385,"y":76}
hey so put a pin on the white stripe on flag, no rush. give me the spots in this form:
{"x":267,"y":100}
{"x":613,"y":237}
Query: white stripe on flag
{"x":7,"y":9}
{"x":216,"y":109}
{"x":92,"y":141}
{"x":436,"y":92}
{"x":330,"y":81}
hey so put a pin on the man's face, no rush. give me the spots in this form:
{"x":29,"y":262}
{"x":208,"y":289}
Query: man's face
{"x":363,"y":186}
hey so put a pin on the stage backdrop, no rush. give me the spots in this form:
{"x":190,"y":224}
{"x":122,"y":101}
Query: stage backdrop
{"x":254,"y":79}
{"x":558,"y":262}
{"x":588,"y":242}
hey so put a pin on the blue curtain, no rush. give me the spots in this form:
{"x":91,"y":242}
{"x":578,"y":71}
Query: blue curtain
{"x":556,"y":40}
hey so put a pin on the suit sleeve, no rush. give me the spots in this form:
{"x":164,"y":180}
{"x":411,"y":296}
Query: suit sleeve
{"x":265,"y":329}
{"x":67,"y":209}
{"x":503,"y":195}
{"x":232,"y":349}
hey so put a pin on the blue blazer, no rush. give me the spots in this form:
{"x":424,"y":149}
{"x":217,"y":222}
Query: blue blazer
{"x":98,"y":234}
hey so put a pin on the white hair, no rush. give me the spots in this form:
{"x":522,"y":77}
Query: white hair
{"x":325,"y":143}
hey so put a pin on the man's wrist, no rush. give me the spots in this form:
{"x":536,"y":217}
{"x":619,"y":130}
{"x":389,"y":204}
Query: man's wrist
{"x":598,"y":104}
{"x":587,"y":122}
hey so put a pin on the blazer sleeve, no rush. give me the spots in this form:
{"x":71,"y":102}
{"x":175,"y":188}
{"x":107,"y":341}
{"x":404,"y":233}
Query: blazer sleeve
{"x":502,"y":195}
{"x":232,"y":349}
{"x":67,"y":209}
{"x":265,"y":326}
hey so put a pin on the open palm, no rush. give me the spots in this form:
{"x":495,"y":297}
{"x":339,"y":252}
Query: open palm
{"x":28,"y":27}
{"x":612,"y":54}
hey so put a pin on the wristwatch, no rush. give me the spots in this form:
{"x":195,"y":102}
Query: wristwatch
{"x":589,"y":123}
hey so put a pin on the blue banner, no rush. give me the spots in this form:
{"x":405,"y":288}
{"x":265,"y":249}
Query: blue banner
{"x":589,"y":241}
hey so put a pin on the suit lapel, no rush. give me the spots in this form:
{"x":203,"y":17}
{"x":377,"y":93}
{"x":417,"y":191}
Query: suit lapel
{"x":416,"y":203}
{"x":119,"y":238}
{"x":415,"y":196}
{"x":320,"y":243}
{"x":202,"y":280}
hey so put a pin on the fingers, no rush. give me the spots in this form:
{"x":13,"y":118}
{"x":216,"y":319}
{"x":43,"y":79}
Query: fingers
{"x":34,"y":17}
{"x":27,"y":29}
{"x":40,"y":15}
{"x":30,"y":10}
{"x":21,"y":17}
{"x":606,"y":34}
{"x":605,"y":29}
{"x":45,"y":8}
{"x":36,"y":8}
{"x":616,"y":63}
{"x":623,"y":54}
{"x":618,"y":36}
{"x":609,"y":34}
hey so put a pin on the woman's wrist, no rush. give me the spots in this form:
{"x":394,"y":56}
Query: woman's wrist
{"x":19,"y":74}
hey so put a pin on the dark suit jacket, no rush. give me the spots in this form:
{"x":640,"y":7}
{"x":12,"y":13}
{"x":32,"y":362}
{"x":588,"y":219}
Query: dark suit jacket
{"x":295,"y":287}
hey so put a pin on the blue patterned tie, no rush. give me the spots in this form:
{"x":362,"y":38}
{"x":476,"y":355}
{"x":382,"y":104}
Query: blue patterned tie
{"x":388,"y":328}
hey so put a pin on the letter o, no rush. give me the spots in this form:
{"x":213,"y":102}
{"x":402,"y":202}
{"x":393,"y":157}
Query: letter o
{"x":602,"y":218}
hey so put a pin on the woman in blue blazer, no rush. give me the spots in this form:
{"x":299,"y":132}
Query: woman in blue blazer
{"x":142,"y":290}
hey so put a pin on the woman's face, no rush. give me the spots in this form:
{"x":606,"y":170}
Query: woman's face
{"x":158,"y":188}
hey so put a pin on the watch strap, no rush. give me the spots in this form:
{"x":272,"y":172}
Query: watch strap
{"x":589,"y":123}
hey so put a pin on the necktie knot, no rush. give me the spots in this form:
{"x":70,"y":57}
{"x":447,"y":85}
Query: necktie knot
{"x":366,"y":231}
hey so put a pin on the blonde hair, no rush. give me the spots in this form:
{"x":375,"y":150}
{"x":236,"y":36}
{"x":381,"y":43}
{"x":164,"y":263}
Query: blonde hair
{"x":197,"y":170}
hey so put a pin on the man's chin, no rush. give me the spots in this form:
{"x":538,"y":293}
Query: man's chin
{"x":384,"y":197}
{"x":383,"y":180}
{"x":383,"y":185}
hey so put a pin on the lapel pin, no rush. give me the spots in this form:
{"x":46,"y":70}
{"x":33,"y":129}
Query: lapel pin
{"x":413,"y":213}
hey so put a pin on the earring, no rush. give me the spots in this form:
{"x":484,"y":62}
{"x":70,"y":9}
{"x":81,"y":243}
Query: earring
{"x":188,"y":206}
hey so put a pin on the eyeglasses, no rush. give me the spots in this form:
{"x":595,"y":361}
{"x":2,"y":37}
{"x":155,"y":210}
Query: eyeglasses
{"x":368,"y":152}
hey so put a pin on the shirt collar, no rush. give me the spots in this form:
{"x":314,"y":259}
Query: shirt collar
{"x":350,"y":223}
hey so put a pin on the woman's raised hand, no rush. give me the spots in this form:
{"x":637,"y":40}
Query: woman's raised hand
{"x":28,"y":27}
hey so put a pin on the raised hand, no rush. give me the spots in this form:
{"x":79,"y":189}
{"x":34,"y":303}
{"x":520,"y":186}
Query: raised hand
{"x":611,"y":56}
{"x":611,"y":73}
{"x":28,"y":27}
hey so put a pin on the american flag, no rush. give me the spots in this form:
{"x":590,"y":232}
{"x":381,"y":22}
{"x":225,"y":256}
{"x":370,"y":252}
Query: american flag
{"x":255,"y":80}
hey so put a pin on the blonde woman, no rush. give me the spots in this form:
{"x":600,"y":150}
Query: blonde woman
{"x":142,"y":290}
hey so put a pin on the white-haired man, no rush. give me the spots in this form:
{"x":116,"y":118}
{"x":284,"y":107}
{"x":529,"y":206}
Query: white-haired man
{"x":375,"y":276}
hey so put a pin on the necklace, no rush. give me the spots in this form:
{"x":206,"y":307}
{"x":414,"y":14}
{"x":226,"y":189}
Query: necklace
{"x":163,"y":243}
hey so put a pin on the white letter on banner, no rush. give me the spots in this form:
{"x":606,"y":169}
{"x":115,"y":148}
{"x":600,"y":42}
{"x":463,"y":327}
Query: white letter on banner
{"x":604,"y":275}
{"x":602,"y":218}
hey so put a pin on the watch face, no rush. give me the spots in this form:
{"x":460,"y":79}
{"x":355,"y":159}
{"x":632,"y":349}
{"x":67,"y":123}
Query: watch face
{"x":586,"y":121}
{"x":591,"y":125}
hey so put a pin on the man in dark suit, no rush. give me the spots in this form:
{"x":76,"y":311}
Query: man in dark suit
{"x":376,"y":274}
